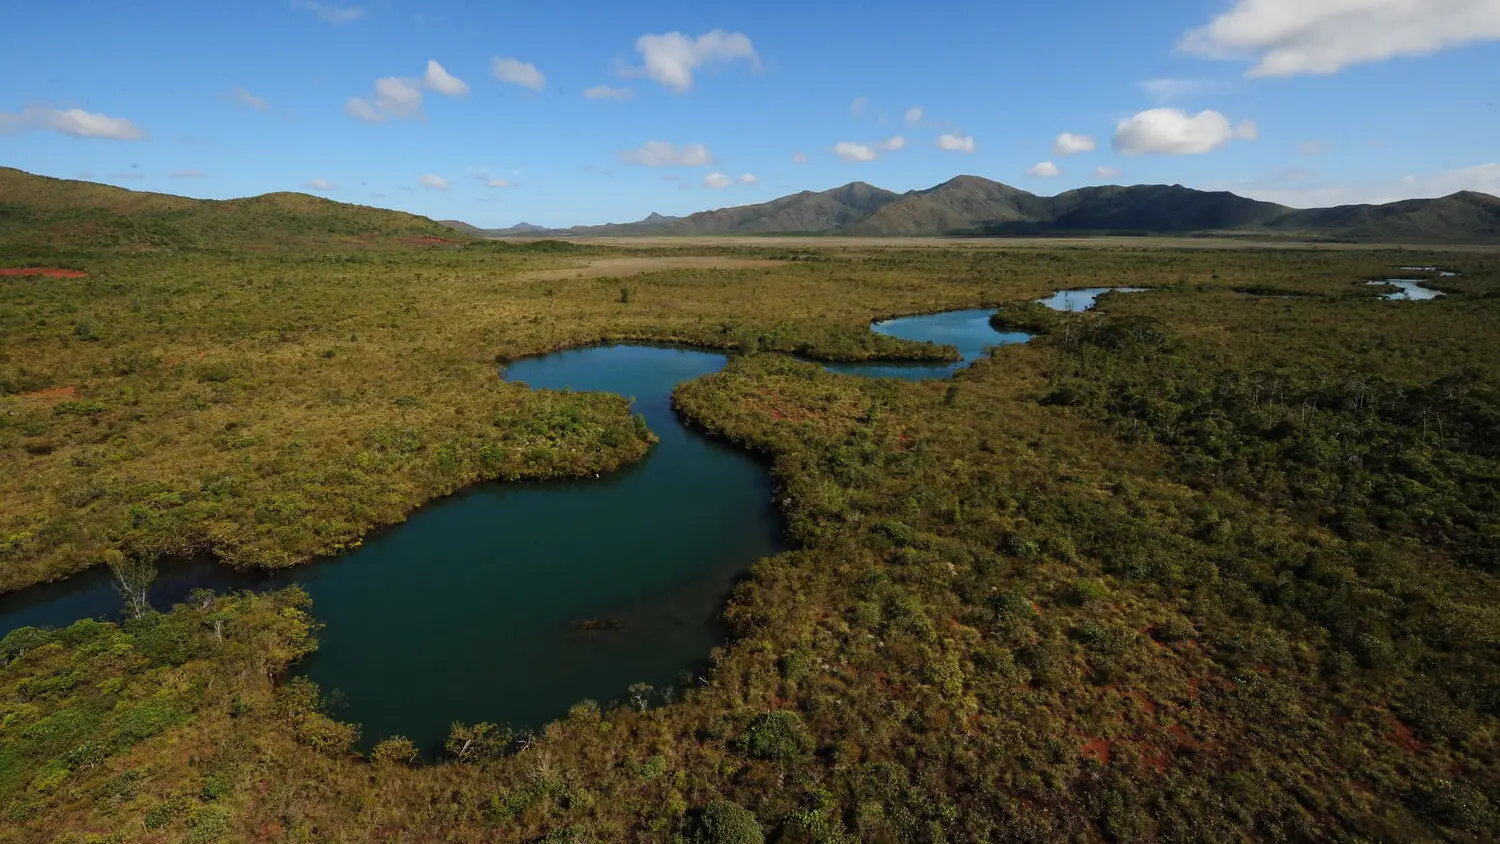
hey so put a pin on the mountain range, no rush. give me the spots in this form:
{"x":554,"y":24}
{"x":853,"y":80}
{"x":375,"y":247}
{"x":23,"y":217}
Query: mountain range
{"x":970,"y":205}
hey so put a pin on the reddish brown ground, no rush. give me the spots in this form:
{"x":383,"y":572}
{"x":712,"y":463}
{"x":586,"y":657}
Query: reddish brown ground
{"x":54,"y":395}
{"x":1099,"y":750}
{"x":1402,"y":737}
{"x":41,"y":271}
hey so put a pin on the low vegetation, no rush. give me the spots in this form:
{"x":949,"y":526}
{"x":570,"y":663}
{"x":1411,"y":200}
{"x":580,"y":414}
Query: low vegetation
{"x":1197,"y":566}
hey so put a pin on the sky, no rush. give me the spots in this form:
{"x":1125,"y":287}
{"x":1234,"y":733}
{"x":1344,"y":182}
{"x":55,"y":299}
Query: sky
{"x":567,"y":113}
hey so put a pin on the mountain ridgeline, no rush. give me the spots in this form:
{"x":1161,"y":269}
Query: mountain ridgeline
{"x":970,"y":205}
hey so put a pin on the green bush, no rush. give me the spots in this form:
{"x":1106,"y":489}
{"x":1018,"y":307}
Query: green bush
{"x":724,"y":822}
{"x":778,"y":737}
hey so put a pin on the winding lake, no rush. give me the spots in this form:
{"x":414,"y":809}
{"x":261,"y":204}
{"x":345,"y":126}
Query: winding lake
{"x":468,"y":611}
{"x":471,"y":610}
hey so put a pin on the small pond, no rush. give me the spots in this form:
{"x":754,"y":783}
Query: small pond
{"x":1409,"y":289}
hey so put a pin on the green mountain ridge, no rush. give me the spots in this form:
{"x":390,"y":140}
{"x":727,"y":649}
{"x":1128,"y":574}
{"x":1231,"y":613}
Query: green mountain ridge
{"x":39,"y":211}
{"x":972,"y":205}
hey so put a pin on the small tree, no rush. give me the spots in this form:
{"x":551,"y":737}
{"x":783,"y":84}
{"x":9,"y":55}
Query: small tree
{"x":471,"y":743}
{"x":133,"y":578}
{"x":396,"y":750}
{"x":778,"y":737}
{"x":725,"y":822}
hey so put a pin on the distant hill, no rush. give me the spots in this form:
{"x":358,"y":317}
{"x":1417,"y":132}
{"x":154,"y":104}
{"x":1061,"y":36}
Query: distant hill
{"x":971,"y":205}
{"x":38,"y":212}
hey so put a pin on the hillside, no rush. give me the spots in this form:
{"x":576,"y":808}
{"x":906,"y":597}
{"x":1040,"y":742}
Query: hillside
{"x":38,"y":211}
{"x":971,"y":205}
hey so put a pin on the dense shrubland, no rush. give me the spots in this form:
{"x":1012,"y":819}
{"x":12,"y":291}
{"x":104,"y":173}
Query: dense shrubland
{"x":1200,"y":566}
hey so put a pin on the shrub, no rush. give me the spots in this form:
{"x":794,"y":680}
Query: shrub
{"x":778,"y":737}
{"x":396,"y":750}
{"x":724,"y":822}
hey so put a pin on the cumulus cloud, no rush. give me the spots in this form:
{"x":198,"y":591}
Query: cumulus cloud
{"x":666,"y":154}
{"x":360,"y":108}
{"x":956,"y":143}
{"x":431,"y":182}
{"x":71,"y":121}
{"x":1170,"y":131}
{"x":914,"y":115}
{"x":893,"y":144}
{"x":439,"y":79}
{"x":672,"y":58}
{"x":1296,"y":190}
{"x":517,"y":72}
{"x":330,"y":12}
{"x":321,"y":185}
{"x":1043,"y":170}
{"x":189,"y":174}
{"x":605,"y":92}
{"x":1103,"y":172}
{"x":799,"y":158}
{"x":1291,"y":37}
{"x":749,"y":179}
{"x":717,"y":181}
{"x":1171,"y":90}
{"x":859,"y":106}
{"x":1070,"y":144}
{"x":242,"y":97}
{"x":850,"y":151}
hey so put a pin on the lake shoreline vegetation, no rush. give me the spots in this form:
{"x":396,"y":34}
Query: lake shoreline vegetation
{"x":1195,"y":565}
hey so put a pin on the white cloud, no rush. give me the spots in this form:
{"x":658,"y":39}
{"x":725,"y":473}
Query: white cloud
{"x":1170,"y":131}
{"x":1103,"y":172}
{"x":398,"y":97}
{"x":361,"y":108}
{"x":749,"y":179}
{"x":189,"y":174}
{"x":330,"y":12}
{"x":243,"y":97}
{"x":604,"y":92}
{"x":1299,"y":193}
{"x":438,"y":79}
{"x":499,"y":183}
{"x":518,"y":72}
{"x":1171,"y":90}
{"x":671,"y":58}
{"x":893,"y":144}
{"x":850,"y":151}
{"x":1312,"y":147}
{"x":665,"y":154}
{"x":428,"y":180}
{"x":799,"y":158}
{"x":1070,"y":144}
{"x":717,"y":181}
{"x":395,"y":96}
{"x":71,"y":121}
{"x":956,"y":143}
{"x":1290,"y":37}
{"x":914,"y":115}
{"x":859,"y":106}
{"x":322,"y":185}
{"x":1043,"y":170}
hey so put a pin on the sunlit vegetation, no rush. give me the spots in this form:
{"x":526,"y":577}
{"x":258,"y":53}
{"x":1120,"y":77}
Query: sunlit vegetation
{"x":1197,"y":566}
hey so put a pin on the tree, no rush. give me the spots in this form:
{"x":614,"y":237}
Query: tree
{"x":133,"y":578}
{"x":471,"y":743}
{"x":396,"y":750}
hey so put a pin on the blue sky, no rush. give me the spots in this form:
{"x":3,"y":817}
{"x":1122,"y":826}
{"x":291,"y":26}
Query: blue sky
{"x":716,"y":104}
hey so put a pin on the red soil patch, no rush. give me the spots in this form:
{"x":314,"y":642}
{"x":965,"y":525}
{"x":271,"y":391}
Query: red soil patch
{"x":1099,"y":750}
{"x":1402,"y":737}
{"x":54,"y":395}
{"x":41,"y":271}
